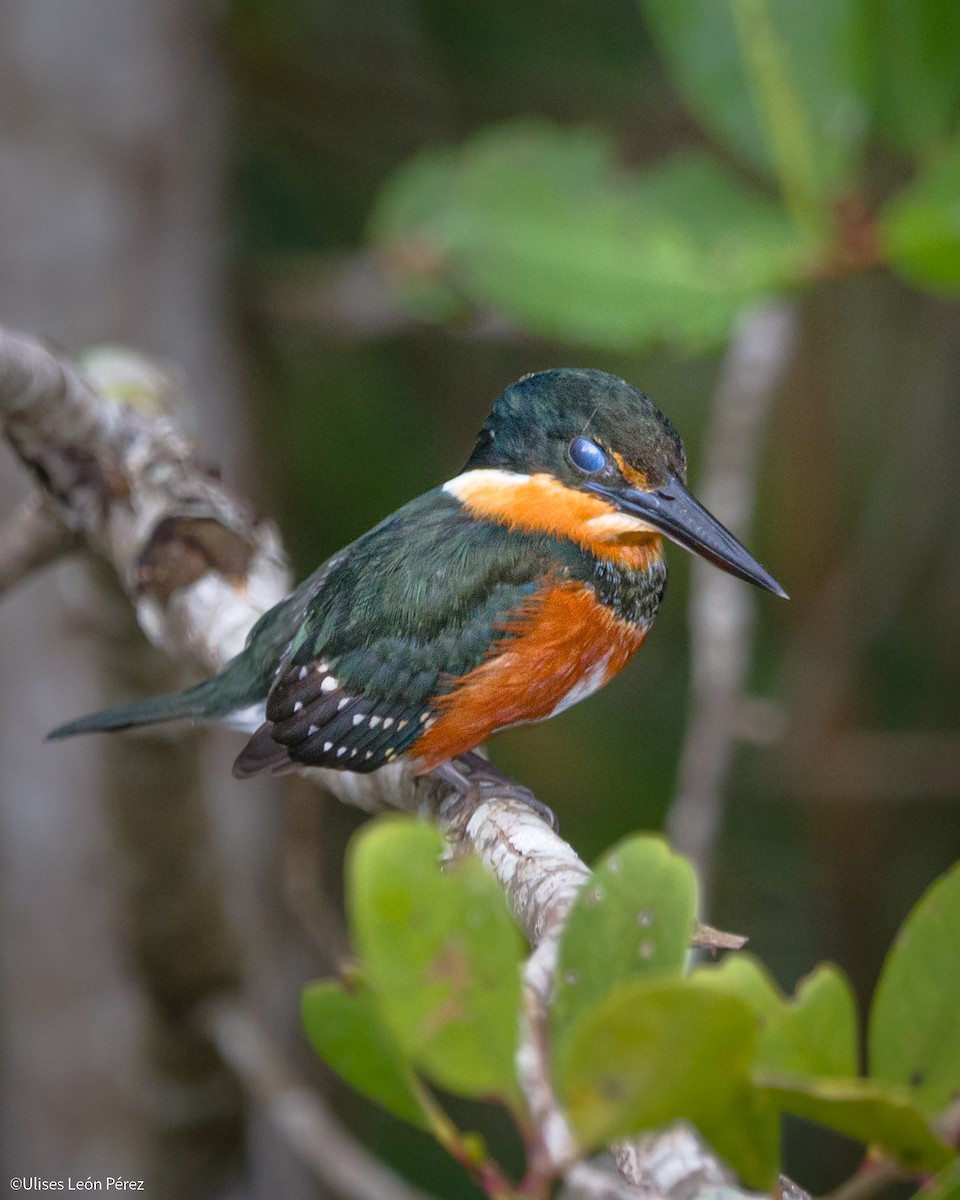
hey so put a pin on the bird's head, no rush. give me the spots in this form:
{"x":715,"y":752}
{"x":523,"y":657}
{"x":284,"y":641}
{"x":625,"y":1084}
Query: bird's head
{"x":586,"y":451}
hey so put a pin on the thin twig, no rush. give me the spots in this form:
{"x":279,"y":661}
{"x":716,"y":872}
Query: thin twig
{"x":872,"y":1179}
{"x":721,"y":608}
{"x":298,"y":1112}
{"x":30,"y":538}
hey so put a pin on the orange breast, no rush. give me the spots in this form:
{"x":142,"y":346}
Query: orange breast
{"x":565,"y":645}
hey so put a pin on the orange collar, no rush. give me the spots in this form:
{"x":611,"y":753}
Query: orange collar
{"x":542,"y":504}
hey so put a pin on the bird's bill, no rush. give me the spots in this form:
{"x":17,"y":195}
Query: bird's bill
{"x":677,"y":514}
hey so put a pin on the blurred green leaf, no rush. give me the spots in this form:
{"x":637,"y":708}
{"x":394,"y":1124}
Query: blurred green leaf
{"x":345,"y":1029}
{"x":442,"y":955}
{"x":945,"y":1186}
{"x":653,"y":1052}
{"x":920,"y":228}
{"x":539,"y":224}
{"x":863,"y":1109}
{"x":815,"y":1033}
{"x":914,"y":1035}
{"x":634,"y":916}
{"x":798,"y":87}
{"x":744,"y":976}
{"x":917,"y":87}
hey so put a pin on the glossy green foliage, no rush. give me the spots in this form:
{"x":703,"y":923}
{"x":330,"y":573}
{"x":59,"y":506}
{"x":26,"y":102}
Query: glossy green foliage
{"x":914,"y":1036}
{"x":634,"y":1043}
{"x":876,"y":1113}
{"x":634,"y":917}
{"x":783,"y":84}
{"x":653,"y":1052}
{"x":539,"y":224}
{"x":920,"y":227}
{"x":346,"y":1030}
{"x":815,"y":1033}
{"x":442,"y":955}
{"x":806,"y":1060}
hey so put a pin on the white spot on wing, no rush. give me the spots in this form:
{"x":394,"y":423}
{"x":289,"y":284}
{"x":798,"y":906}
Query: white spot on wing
{"x":329,"y":684}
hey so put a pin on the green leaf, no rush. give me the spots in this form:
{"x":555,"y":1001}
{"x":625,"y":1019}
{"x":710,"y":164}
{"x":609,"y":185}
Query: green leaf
{"x":744,"y":976}
{"x":817,"y":1034}
{"x":654,"y":1052}
{"x":345,"y":1029}
{"x":863,"y":1109}
{"x":917,"y":89}
{"x":813,"y":1034}
{"x":634,"y":916}
{"x":786,"y":85}
{"x":945,"y":1186}
{"x":920,"y":228}
{"x":914,"y":1035}
{"x":441,"y":953}
{"x":539,"y":224}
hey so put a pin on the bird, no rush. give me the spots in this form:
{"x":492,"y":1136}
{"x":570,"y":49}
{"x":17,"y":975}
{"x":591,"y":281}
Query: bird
{"x":513,"y":590}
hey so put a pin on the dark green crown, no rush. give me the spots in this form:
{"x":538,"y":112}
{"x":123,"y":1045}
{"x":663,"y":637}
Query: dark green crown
{"x":533,"y":422}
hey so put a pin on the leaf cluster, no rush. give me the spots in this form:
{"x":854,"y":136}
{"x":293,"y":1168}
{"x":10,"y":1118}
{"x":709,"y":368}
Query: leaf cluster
{"x":797,"y":103}
{"x":637,"y":1039}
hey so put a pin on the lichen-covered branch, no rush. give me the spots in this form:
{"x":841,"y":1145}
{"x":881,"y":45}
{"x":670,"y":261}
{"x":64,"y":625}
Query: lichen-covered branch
{"x":199,"y":569}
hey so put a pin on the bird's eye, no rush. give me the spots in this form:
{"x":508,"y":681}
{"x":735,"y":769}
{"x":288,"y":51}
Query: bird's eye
{"x":586,"y":456}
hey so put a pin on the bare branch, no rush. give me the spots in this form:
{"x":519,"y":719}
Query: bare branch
{"x":298,"y":1112}
{"x":30,"y":538}
{"x":721,"y":608}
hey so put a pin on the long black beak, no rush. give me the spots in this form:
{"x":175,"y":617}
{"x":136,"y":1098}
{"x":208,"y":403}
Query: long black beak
{"x":684,"y":520}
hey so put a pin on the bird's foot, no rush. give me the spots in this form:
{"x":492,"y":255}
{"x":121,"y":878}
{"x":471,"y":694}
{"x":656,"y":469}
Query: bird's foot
{"x":475,"y":780}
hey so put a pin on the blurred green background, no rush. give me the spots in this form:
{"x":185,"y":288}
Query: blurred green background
{"x":833,"y":829}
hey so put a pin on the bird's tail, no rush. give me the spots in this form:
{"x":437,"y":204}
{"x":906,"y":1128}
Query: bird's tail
{"x":214,"y":698}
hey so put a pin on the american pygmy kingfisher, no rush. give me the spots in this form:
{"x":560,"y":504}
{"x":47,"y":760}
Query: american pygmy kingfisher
{"x":516,"y":589}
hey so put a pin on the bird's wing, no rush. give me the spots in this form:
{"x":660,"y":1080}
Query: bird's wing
{"x":409,"y":609}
